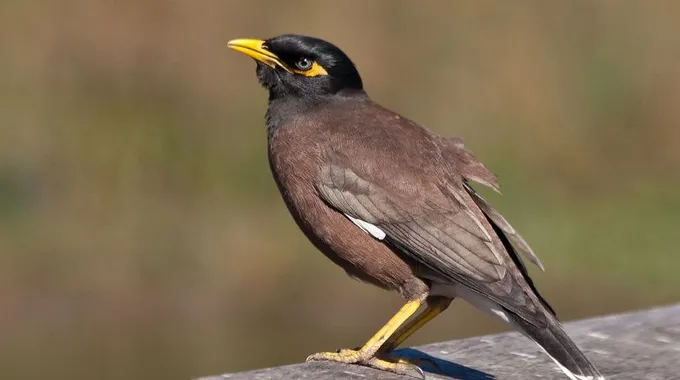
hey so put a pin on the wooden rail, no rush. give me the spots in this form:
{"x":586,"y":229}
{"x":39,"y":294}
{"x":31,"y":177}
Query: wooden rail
{"x":641,"y":345}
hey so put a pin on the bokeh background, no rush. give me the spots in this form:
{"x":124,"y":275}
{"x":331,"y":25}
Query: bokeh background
{"x":142,"y":237}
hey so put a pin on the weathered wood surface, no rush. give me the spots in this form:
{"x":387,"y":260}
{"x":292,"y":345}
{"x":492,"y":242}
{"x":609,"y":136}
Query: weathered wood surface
{"x":643,"y":345}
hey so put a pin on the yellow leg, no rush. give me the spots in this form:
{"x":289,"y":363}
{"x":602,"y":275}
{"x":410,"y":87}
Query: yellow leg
{"x":365,"y":355}
{"x":435,"y":305}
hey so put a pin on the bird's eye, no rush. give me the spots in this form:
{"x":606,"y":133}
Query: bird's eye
{"x":304,"y":63}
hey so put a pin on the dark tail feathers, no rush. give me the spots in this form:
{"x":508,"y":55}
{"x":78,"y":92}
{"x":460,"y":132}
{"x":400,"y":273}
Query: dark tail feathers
{"x":557,"y":344}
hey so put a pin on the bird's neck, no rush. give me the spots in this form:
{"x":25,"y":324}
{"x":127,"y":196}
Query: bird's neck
{"x":284,"y":109}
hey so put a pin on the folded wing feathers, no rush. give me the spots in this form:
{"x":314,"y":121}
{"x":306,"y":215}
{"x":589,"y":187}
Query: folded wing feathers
{"x":515,"y":239}
{"x":474,"y":170}
{"x":468,"y":164}
{"x":449,"y":239}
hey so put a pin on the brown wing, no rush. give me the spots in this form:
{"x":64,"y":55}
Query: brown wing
{"x":471,"y":168}
{"x":434,"y":221}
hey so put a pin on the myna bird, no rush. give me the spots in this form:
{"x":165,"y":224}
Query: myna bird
{"x":391,"y":203}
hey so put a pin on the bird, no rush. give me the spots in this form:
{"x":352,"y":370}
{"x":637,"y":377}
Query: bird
{"x":392,"y":203}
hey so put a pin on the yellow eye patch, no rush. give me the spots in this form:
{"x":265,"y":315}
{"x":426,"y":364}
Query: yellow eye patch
{"x":313,"y":71}
{"x":260,"y":52}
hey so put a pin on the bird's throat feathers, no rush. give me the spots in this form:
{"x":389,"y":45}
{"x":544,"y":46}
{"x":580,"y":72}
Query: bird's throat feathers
{"x":283,"y":109}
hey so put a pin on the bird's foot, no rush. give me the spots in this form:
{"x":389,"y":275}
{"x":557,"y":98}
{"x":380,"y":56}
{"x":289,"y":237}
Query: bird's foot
{"x":413,"y":361}
{"x":397,"y":365}
{"x":386,"y":363}
{"x":344,"y":355}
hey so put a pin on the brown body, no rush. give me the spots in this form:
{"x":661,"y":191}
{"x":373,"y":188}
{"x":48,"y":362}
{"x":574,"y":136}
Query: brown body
{"x":405,"y":159}
{"x":297,"y":153}
{"x":391,"y":203}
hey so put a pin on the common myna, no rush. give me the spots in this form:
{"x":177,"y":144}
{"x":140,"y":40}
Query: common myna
{"x":391,"y":203}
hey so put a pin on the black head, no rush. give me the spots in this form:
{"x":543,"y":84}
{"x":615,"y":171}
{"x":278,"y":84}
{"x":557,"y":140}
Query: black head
{"x":299,"y":66}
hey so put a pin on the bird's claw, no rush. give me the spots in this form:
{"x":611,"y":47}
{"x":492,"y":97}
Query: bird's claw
{"x":344,"y":355}
{"x":396,"y":365}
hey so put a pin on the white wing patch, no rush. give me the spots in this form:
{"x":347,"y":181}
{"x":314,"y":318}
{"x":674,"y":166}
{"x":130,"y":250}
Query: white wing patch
{"x":567,"y":372}
{"x":368,"y":228}
{"x":484,"y":304}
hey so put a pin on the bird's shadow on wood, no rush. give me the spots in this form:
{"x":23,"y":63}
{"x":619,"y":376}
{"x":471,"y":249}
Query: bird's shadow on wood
{"x":441,"y":367}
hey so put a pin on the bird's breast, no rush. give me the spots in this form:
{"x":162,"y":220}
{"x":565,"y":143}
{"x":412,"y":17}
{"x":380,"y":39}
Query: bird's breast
{"x":295,"y":159}
{"x":294,"y":163}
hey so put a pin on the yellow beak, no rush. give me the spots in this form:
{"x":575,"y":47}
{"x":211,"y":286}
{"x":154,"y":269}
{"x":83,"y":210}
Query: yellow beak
{"x":256,"y":50}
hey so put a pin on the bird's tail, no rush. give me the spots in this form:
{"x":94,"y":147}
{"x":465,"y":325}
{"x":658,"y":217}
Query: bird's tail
{"x":557,"y":344}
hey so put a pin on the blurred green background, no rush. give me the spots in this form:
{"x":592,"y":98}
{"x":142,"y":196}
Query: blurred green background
{"x":142,"y":237}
